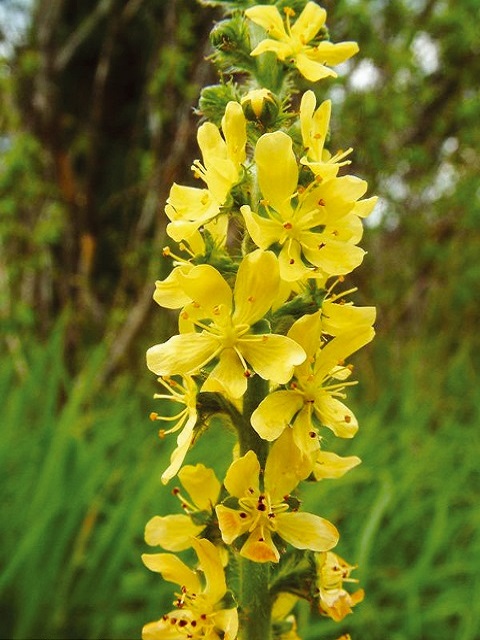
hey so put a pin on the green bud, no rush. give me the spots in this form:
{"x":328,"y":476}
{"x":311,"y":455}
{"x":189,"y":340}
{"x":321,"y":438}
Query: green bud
{"x":260,"y":105}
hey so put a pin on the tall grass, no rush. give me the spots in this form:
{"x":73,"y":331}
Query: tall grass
{"x":80,"y":470}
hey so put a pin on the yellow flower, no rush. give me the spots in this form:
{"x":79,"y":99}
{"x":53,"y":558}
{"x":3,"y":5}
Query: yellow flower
{"x":318,"y":225}
{"x":225,"y":321}
{"x":188,"y":208}
{"x":315,"y":389}
{"x":334,"y":601}
{"x":199,"y":612}
{"x":185,"y":420}
{"x":314,"y":126}
{"x":291,"y":42}
{"x":263,"y":512}
{"x":175,"y":532}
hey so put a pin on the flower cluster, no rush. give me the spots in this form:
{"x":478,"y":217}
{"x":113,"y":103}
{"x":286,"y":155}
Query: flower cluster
{"x":266,"y":330}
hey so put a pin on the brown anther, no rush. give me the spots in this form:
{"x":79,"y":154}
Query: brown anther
{"x":216,"y":311}
{"x":291,"y":261}
{"x":175,"y":492}
{"x":193,"y":623}
{"x":261,"y":540}
{"x":247,"y":373}
{"x":317,"y":136}
{"x":271,"y":515}
{"x":321,"y":202}
{"x":196,"y":305}
{"x":166,"y":251}
{"x":261,"y":507}
{"x":312,"y":434}
{"x":182,"y":623}
{"x":347,"y":419}
{"x":335,"y":232}
{"x":250,"y":299}
{"x":287,"y":225}
{"x":153,"y":416}
{"x":250,"y":490}
{"x":288,"y":11}
{"x":184,"y":315}
{"x":242,"y":515}
{"x":286,"y":497}
{"x":264,"y":338}
{"x":321,"y":245}
{"x":301,"y":189}
{"x":161,"y":433}
{"x":293,"y":385}
{"x":203,"y":616}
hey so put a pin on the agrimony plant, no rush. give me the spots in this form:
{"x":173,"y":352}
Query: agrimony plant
{"x":260,"y":250}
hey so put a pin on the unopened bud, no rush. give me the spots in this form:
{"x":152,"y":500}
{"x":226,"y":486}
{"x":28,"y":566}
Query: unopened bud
{"x":260,"y":105}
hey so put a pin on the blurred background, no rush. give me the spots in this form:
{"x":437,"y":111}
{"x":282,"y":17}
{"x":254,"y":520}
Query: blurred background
{"x":96,"y":122}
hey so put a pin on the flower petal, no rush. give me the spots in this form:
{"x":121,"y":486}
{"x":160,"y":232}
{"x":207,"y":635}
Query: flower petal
{"x":242,"y":475}
{"x":307,"y":331}
{"x":256,"y":287}
{"x":309,"y":22}
{"x":259,"y":547}
{"x":307,"y":531}
{"x":211,"y":565}
{"x":231,"y":524}
{"x":206,"y":287}
{"x":227,"y":621}
{"x":263,"y":231}
{"x":272,"y":356}
{"x":275,"y":413}
{"x":172,"y":570}
{"x":172,"y":532}
{"x":234,"y":128}
{"x":330,"y":465}
{"x":201,"y":484}
{"x":228,"y":374}
{"x":285,"y":467}
{"x":269,"y":18}
{"x":333,"y":53}
{"x":278,"y":180}
{"x":336,"y":416}
{"x":181,"y":354}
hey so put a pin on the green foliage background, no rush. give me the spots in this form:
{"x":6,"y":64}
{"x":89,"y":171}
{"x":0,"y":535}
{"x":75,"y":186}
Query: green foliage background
{"x":96,"y":122}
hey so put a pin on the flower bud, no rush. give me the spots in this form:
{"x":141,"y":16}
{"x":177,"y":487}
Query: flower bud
{"x":260,"y":105}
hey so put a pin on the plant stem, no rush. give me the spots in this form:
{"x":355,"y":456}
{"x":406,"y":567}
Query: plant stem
{"x":254,"y":598}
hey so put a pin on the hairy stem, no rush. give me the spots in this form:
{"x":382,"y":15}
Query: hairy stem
{"x":254,"y":599}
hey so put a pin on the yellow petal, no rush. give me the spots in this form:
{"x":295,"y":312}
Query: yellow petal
{"x":206,"y":287}
{"x":338,"y":349}
{"x":275,"y":413}
{"x":201,"y":484}
{"x":256,"y":287}
{"x":231,"y":524}
{"x":278,"y":180}
{"x":307,"y":531}
{"x":272,"y":356}
{"x":333,"y":53}
{"x":263,"y":231}
{"x":212,"y":568}
{"x":280,"y":49}
{"x":290,"y":262}
{"x":228,"y":374}
{"x":234,"y":128}
{"x":269,"y":18}
{"x":172,"y":532}
{"x":172,"y":570}
{"x":242,"y":475}
{"x":227,"y":621}
{"x":285,"y":467}
{"x":364,"y":208}
{"x":169,"y":292}
{"x":307,"y":109}
{"x":338,"y":318}
{"x":335,"y":258}
{"x":307,"y":331}
{"x":336,"y":416}
{"x":309,"y":22}
{"x":259,"y":547}
{"x":330,"y":465}
{"x":181,"y":354}
{"x":311,"y":69}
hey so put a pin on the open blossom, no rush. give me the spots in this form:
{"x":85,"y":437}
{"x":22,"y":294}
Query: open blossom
{"x":188,"y":208}
{"x":263,"y":511}
{"x":334,"y":601}
{"x":199,"y":612}
{"x":314,"y":125}
{"x":185,"y":394}
{"x":316,"y":387}
{"x":217,"y":324}
{"x":176,"y":531}
{"x":293,"y":43}
{"x":316,"y":227}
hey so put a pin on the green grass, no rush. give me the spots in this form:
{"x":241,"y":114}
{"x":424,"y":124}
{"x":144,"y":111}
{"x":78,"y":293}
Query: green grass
{"x":80,"y":470}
